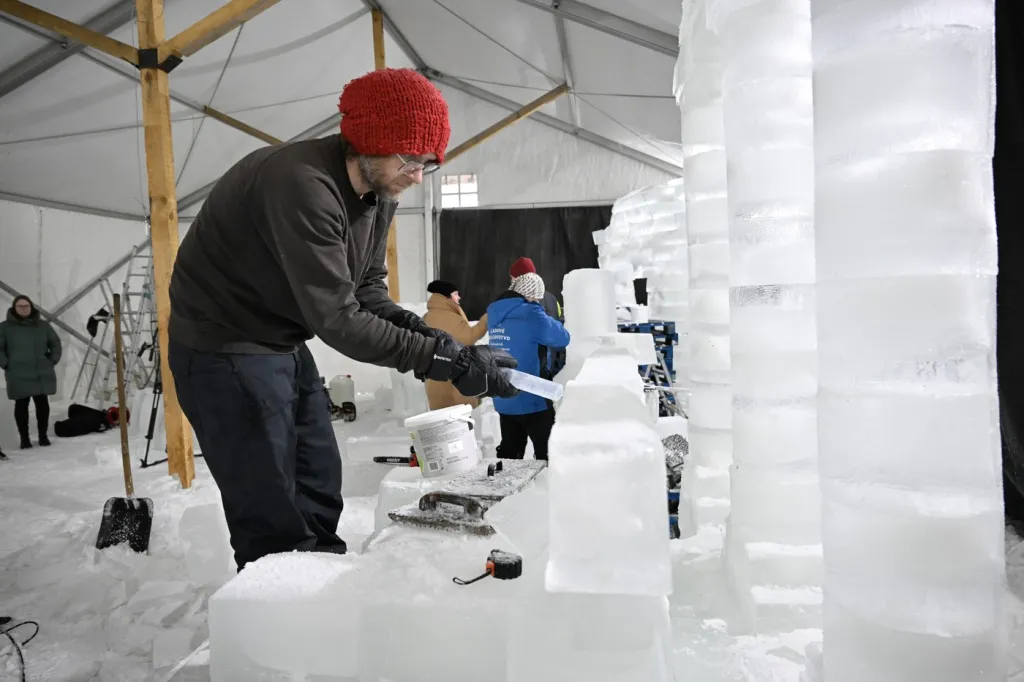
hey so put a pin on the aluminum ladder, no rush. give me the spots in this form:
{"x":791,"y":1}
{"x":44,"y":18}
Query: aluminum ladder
{"x":138,"y":335}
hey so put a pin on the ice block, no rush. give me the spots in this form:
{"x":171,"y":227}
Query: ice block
{"x":906,"y":264}
{"x":286,"y":616}
{"x":769,"y":141}
{"x":698,"y":83}
{"x":608,"y":510}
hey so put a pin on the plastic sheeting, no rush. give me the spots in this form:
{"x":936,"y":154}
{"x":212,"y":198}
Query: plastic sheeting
{"x":477,"y":247}
{"x":1008,"y":168}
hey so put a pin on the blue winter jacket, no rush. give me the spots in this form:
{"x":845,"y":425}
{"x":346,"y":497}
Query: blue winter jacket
{"x":519,"y":327}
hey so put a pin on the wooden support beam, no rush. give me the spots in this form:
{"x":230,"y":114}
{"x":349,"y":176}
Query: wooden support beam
{"x":392,"y":251}
{"x":70,"y":30}
{"x":378,"y":39}
{"x":518,"y":115}
{"x":238,"y":125}
{"x":163,"y":207}
{"x":218,"y":23}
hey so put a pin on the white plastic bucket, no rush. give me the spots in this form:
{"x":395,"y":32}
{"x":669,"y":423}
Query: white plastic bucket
{"x":444,"y":441}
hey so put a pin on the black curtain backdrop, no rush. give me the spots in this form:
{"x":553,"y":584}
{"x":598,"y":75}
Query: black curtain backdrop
{"x":1007,"y":167}
{"x":477,"y":247}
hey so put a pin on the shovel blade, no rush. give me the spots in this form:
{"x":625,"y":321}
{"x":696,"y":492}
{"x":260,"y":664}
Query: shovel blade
{"x":126,"y":520}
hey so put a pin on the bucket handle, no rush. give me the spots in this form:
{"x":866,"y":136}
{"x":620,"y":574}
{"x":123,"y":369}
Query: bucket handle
{"x":471,"y":507}
{"x":468,"y":420}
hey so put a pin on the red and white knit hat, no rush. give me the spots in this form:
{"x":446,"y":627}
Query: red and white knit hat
{"x":394,"y":111}
{"x":529,"y":285}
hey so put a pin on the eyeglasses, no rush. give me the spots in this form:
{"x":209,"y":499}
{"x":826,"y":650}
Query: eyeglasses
{"x":410,"y":166}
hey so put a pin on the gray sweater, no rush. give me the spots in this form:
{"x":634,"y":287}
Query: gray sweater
{"x":284,"y":249}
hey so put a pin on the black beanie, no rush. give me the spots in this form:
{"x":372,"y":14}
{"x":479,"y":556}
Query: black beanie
{"x":439,"y":286}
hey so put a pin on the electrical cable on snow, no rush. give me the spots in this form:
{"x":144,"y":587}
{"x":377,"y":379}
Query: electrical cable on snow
{"x":18,"y":645}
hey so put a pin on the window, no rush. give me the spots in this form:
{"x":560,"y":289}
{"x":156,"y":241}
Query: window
{"x":459,"y":191}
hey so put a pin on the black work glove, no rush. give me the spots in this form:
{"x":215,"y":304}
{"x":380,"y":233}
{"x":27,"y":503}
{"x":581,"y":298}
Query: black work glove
{"x":414,"y":323}
{"x":476,"y":371}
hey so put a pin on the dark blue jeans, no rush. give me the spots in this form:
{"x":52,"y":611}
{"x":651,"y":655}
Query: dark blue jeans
{"x":264,"y":427}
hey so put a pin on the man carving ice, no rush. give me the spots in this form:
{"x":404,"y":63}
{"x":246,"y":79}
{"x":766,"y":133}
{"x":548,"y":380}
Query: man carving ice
{"x":290,"y":244}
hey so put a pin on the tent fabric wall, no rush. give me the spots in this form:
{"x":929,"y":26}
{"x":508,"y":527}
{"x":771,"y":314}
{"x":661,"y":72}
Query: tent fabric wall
{"x":47,"y":254}
{"x":282,"y":70}
{"x":529,"y":163}
{"x":477,"y":247}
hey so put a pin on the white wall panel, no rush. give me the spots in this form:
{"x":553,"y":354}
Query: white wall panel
{"x":48,"y":254}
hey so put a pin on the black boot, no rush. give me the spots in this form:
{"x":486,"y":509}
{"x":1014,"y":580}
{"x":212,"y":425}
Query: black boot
{"x":43,"y":440}
{"x":21,"y":419}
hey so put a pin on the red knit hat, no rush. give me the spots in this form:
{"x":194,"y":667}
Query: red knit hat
{"x":521,"y":267}
{"x":394,"y":111}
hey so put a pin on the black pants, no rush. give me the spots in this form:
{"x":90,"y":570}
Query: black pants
{"x":265,"y":431}
{"x":42,"y":415}
{"x":516,"y":428}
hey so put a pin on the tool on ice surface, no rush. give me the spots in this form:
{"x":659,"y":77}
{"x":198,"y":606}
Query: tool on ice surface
{"x":393,"y":460}
{"x":461,"y":504}
{"x":408,"y":460}
{"x":501,"y":565}
{"x":125,"y":519}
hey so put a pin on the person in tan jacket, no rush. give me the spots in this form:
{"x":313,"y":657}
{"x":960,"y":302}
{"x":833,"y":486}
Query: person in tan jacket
{"x":445,"y":313}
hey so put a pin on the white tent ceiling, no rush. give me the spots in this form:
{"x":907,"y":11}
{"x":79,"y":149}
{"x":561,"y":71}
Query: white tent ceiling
{"x":70,"y":117}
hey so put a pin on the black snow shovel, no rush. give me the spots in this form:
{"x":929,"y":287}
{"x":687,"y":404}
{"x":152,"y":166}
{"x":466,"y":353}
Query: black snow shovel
{"x":125,"y":519}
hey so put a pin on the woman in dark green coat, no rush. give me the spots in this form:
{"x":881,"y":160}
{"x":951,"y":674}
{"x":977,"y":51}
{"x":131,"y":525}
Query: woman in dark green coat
{"x":29,"y":352}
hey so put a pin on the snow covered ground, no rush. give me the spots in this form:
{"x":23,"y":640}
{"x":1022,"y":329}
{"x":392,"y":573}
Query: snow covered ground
{"x":114,"y":616}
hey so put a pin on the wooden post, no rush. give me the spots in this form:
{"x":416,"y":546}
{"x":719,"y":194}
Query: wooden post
{"x":122,"y":421}
{"x":163,"y":207}
{"x":392,"y":252}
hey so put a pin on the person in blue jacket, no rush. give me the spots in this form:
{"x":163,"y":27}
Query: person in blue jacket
{"x":518,"y":325}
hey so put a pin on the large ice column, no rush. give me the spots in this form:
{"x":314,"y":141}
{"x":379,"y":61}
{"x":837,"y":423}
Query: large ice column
{"x":647,"y":239}
{"x":666,"y":266}
{"x":698,"y":87}
{"x":908,"y":417}
{"x":773,"y":546}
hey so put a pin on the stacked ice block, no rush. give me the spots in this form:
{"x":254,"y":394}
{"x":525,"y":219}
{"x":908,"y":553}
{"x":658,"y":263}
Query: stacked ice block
{"x":705,"y":489}
{"x":589,"y":305}
{"x":604,"y":613}
{"x":908,"y":412}
{"x":647,"y":239}
{"x":773,"y":546}
{"x":287,"y":616}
